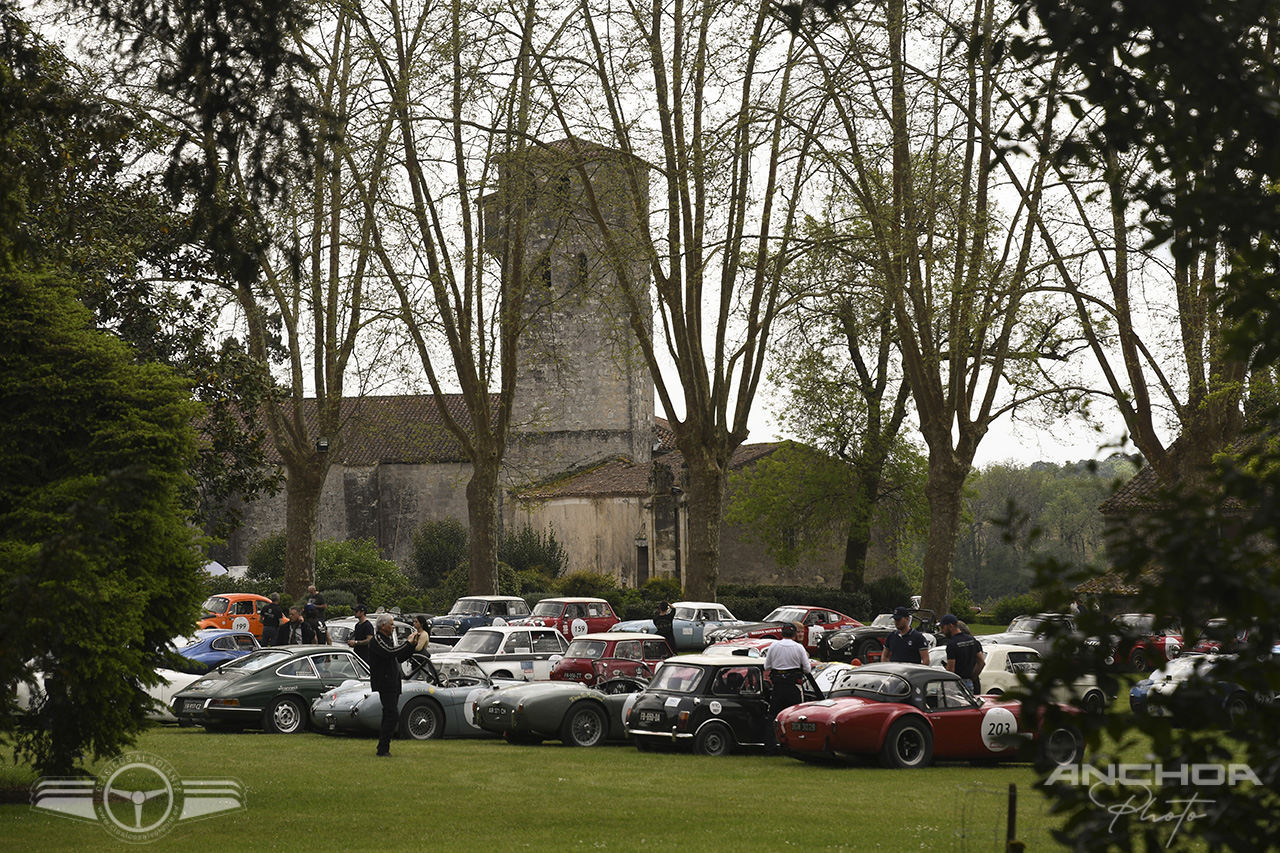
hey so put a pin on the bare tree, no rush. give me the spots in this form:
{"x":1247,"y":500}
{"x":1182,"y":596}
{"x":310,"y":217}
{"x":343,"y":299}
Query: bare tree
{"x":704,"y":94}
{"x":918,"y":118}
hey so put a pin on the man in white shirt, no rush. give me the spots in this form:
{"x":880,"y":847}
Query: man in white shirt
{"x":786,"y":662}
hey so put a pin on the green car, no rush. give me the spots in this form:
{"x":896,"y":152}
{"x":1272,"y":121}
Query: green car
{"x":575,"y":714}
{"x":271,"y":689}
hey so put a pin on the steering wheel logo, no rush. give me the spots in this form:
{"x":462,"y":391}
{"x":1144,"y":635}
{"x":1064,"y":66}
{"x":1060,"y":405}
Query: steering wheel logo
{"x":138,"y":797}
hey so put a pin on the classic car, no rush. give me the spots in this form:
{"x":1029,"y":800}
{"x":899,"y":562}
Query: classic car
{"x":598,"y":657}
{"x":909,"y":715}
{"x":241,"y":611}
{"x":525,"y":654}
{"x":1007,"y":665}
{"x":811,"y":623}
{"x":712,"y":703}
{"x":866,"y":642}
{"x":1029,"y":631}
{"x":476,"y":610}
{"x":1191,"y":689}
{"x":693,"y":621}
{"x":28,"y":696}
{"x":572,"y":617}
{"x":340,"y":631}
{"x":432,"y":705}
{"x":270,"y":689}
{"x":212,"y":647}
{"x":575,"y":714}
{"x":1136,"y":643}
{"x":1215,"y":634}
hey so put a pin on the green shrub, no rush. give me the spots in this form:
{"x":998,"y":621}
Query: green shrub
{"x":962,"y":601}
{"x":526,"y":550}
{"x":1007,"y":609}
{"x":458,"y":582}
{"x":267,"y":559}
{"x":439,"y":547}
{"x":411,"y":604}
{"x":340,"y":598}
{"x":356,"y":567}
{"x":662,"y":589}
{"x":889,"y":592}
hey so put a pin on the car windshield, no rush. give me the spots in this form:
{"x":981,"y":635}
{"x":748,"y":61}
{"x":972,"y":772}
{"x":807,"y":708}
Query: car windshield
{"x":882,"y":683}
{"x":467,"y":607}
{"x":884,"y":620}
{"x":786,"y":614}
{"x":593,"y":649}
{"x":215,"y":604}
{"x":479,"y":642}
{"x":261,"y":660}
{"x":548,"y":608}
{"x":677,"y":678}
{"x":1025,"y":625}
{"x":1141,"y":623}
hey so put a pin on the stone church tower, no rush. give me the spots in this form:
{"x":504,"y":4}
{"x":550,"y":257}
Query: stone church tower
{"x":584,"y":393}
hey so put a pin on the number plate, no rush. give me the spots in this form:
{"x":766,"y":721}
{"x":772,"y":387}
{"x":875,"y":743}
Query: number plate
{"x":496,"y":712}
{"x":192,"y":706}
{"x":804,"y":727}
{"x":650,"y":716}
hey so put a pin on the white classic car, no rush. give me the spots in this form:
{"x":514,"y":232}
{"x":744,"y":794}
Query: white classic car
{"x":1005,"y":663}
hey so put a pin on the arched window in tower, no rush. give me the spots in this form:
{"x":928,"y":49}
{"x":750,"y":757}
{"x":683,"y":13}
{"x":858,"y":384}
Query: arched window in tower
{"x":581,"y":280}
{"x":541,"y":271}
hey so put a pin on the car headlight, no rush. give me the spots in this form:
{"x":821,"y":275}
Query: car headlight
{"x":838,"y":641}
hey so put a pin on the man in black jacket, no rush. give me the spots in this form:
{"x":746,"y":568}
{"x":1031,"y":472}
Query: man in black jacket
{"x":295,"y":631}
{"x":384,"y":676}
{"x":664,"y":623}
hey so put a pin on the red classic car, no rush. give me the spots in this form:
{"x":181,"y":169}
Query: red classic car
{"x":811,"y":623}
{"x":1139,"y":645}
{"x":597,"y":657}
{"x":909,"y":715}
{"x":572,"y":617}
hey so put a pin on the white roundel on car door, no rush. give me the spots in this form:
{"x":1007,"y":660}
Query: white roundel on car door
{"x":240,"y":623}
{"x":998,"y":725}
{"x":578,"y":627}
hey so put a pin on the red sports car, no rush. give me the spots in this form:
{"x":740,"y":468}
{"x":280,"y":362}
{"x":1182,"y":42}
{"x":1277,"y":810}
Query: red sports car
{"x":811,"y":623}
{"x":909,"y":715}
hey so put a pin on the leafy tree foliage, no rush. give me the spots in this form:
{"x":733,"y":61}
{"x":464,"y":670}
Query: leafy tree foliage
{"x":439,"y":547}
{"x":99,"y":565}
{"x":528,"y":550}
{"x":357,"y":567}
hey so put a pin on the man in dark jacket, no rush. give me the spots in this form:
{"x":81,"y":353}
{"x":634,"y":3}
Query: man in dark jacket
{"x":270,"y":614}
{"x":295,"y":631}
{"x":664,"y":623}
{"x":384,"y":676}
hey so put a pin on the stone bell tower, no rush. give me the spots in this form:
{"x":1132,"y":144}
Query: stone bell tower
{"x":584,"y":393}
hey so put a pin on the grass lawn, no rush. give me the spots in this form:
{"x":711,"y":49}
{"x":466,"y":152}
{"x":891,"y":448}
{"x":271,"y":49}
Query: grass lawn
{"x":331,"y":794}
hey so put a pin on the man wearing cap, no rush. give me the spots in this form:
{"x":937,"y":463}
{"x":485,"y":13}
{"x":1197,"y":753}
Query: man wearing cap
{"x":964,"y":652}
{"x":786,"y":662}
{"x":906,"y":645}
{"x":362,"y":635}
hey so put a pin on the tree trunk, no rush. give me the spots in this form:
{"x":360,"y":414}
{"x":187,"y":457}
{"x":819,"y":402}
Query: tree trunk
{"x":707,"y":485}
{"x":946,"y":481}
{"x":303,"y":484}
{"x":858,"y":540}
{"x":482,"y":514}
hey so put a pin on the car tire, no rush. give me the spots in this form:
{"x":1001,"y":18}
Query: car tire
{"x":866,"y":647}
{"x":1237,"y":706}
{"x":584,"y":725}
{"x":285,"y":716}
{"x":713,"y":739}
{"x":908,"y":745}
{"x":1061,"y":746}
{"x":1094,"y":702}
{"x":422,"y":719}
{"x":1138,"y":661}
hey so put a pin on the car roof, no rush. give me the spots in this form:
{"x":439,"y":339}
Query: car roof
{"x":697,"y":604}
{"x":912,"y":672}
{"x":614,"y":636}
{"x":239,"y":596}
{"x":490,"y":598}
{"x":212,"y":633}
{"x":508,"y":629}
{"x":715,"y":660}
{"x":574,"y":599}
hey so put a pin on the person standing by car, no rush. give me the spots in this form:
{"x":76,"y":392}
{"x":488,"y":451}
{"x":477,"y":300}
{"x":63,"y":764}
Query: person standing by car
{"x":964,"y":652}
{"x":787,"y":662}
{"x":907,"y":644}
{"x":295,"y":632}
{"x":664,"y":623}
{"x":319,"y":631}
{"x":362,"y":635}
{"x":271,"y":614}
{"x":385,"y":675}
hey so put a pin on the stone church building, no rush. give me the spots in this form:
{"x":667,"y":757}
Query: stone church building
{"x":587,"y":458}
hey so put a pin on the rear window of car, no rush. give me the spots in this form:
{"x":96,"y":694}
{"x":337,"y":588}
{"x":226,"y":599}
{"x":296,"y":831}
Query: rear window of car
{"x":677,"y":678}
{"x":261,"y":660}
{"x":591,"y":649}
{"x":882,"y":683}
{"x":1022,"y":662}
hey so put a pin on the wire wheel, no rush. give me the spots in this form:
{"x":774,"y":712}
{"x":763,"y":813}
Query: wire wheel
{"x":422,"y":720}
{"x":584,"y":725}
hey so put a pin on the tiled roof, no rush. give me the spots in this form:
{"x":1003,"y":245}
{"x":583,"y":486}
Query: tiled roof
{"x":1111,"y":583}
{"x":624,"y":478}
{"x":402,"y":429}
{"x":664,"y":437}
{"x":1139,"y":493}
